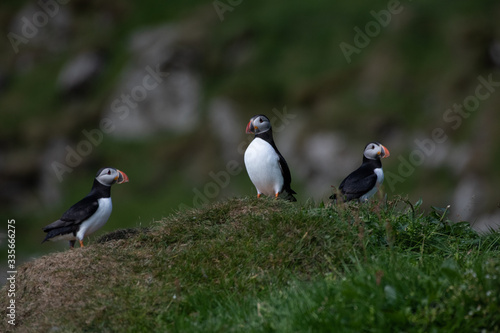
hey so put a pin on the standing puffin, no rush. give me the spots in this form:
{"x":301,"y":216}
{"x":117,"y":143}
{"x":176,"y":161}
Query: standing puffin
{"x":88,"y":214}
{"x":362,"y":183}
{"x":265,"y":165}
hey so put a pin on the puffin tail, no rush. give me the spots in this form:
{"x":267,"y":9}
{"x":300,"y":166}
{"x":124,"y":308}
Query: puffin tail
{"x":287,"y":194}
{"x":338,"y":196}
{"x":47,"y":238}
{"x":51,"y":233}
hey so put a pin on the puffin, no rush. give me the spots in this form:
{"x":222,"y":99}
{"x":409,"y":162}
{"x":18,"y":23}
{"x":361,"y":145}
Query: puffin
{"x":265,"y":165}
{"x":364,"y":182}
{"x":88,"y":214}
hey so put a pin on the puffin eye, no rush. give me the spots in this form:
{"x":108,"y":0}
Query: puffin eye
{"x":109,"y":172}
{"x":372,"y":147}
{"x":260,"y":120}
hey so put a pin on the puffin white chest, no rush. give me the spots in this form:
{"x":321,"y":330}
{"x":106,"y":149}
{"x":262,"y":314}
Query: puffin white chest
{"x":262,"y":164}
{"x":97,"y":220}
{"x":380,"y":179}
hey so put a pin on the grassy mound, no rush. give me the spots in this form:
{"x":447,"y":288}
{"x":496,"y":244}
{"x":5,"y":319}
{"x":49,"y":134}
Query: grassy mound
{"x":266,"y":265}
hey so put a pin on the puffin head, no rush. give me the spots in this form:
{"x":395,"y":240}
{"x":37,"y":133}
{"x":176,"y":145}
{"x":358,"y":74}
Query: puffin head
{"x":375,"y":150}
{"x":110,"y":176}
{"x":258,"y":124}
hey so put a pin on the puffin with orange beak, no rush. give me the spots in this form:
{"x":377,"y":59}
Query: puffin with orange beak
{"x":265,"y":165}
{"x":88,"y":214}
{"x":364,"y":182}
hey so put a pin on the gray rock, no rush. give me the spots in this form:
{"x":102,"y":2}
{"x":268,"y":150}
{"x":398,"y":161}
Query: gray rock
{"x":160,"y":89}
{"x":467,"y":198}
{"x":487,"y":223}
{"x":328,"y":160}
{"x":42,"y":30}
{"x":227,"y":127}
{"x":79,"y":72}
{"x":49,"y":187}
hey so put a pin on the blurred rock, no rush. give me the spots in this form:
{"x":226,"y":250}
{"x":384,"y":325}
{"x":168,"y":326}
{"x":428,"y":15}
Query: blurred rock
{"x":79,"y":72}
{"x":453,"y":156}
{"x":459,"y":157}
{"x":49,"y":187}
{"x":50,"y":34}
{"x":160,"y":88}
{"x":487,"y":223}
{"x":327,"y":159}
{"x":287,"y":138}
{"x":467,"y":199}
{"x":227,"y":127}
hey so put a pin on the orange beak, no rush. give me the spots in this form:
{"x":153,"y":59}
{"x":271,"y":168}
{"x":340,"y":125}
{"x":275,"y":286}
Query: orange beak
{"x":250,"y":128}
{"x":122,"y":177}
{"x":385,"y":152}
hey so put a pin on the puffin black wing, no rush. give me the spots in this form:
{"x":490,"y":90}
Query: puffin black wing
{"x":287,"y":179}
{"x":82,"y":210}
{"x":358,"y":183}
{"x":72,"y":218}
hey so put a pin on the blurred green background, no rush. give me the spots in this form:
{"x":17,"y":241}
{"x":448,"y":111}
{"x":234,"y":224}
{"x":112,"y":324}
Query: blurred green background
{"x":66,"y":66}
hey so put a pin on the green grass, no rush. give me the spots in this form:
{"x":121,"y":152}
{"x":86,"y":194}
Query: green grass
{"x":261,"y":265}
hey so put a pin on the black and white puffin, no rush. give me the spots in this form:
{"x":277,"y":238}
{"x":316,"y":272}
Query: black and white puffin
{"x":88,"y":214}
{"x":364,"y":182}
{"x":265,"y":165}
